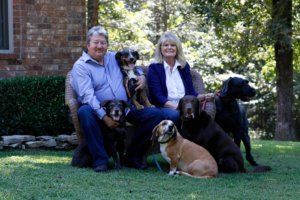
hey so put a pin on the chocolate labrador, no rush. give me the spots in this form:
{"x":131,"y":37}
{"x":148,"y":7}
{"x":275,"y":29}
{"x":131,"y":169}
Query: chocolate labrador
{"x":200,"y":128}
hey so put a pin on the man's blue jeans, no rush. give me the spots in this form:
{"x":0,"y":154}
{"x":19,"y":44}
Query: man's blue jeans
{"x":144,"y":120}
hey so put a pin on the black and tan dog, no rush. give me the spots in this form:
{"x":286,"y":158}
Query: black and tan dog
{"x":199,"y":127}
{"x":114,"y":139}
{"x":185,"y":157}
{"x":126,"y":59}
{"x":231,"y":115}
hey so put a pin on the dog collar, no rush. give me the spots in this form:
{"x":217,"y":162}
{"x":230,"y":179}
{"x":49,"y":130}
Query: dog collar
{"x":226,"y":97}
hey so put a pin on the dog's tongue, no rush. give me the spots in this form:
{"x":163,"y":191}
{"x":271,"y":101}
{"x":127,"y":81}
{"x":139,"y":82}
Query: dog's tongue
{"x":189,"y":116}
{"x":116,"y":117}
{"x":131,"y":65}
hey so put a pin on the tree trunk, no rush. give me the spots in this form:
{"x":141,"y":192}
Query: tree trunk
{"x":157,"y":22}
{"x":92,"y":13}
{"x":282,"y":22}
{"x":166,"y":15}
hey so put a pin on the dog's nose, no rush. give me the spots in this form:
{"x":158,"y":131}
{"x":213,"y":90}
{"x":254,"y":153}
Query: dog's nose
{"x":131,"y":59}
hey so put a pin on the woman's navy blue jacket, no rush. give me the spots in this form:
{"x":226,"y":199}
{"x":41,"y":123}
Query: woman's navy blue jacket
{"x":156,"y":79}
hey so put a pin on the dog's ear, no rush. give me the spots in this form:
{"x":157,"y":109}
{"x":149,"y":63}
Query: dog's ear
{"x":179,"y":105}
{"x":199,"y":109}
{"x":154,"y":131}
{"x":104,"y":103}
{"x":118,"y":57}
{"x":154,"y":134}
{"x":176,"y":130}
{"x":125,"y":104}
{"x":226,"y":86}
{"x":137,"y":55}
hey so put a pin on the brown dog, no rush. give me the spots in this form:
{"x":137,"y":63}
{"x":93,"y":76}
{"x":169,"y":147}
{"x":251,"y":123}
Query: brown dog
{"x":200,"y":128}
{"x":185,"y":157}
{"x":126,"y":60}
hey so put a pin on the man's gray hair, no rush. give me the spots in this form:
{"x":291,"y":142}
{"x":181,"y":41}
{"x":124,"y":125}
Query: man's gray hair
{"x":96,"y":30}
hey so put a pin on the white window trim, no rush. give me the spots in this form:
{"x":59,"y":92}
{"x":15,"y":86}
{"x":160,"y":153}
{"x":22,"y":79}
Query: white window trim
{"x":10,"y":30}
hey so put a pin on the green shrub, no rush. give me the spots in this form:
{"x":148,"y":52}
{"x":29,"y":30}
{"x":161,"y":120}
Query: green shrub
{"x":33,"y":105}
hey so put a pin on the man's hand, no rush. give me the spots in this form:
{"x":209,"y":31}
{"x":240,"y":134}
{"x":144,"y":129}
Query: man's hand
{"x":110,"y":123}
{"x":141,"y":82}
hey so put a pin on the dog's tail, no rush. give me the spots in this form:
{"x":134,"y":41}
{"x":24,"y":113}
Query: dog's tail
{"x":182,"y":173}
{"x":261,"y":168}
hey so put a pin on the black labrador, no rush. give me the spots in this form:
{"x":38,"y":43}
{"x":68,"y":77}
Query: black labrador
{"x":199,"y":127}
{"x":114,"y":139}
{"x":231,"y":115}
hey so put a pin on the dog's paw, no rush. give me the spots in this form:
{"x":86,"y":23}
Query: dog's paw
{"x":140,"y":107}
{"x":171,"y":173}
{"x":148,"y":104}
{"x":177,"y":173}
{"x":251,"y":160}
{"x":174,"y":173}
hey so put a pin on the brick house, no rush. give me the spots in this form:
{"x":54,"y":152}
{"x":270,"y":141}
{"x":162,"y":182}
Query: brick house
{"x":40,"y":37}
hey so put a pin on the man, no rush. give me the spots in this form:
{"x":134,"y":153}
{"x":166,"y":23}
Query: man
{"x":96,"y":77}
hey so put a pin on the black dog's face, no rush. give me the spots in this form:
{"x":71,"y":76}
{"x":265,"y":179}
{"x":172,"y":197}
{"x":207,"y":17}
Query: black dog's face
{"x":188,"y":107}
{"x":127,"y":57}
{"x":238,"y":88}
{"x":115,"y":109}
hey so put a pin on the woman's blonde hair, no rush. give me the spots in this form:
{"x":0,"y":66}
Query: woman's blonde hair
{"x":170,"y":37}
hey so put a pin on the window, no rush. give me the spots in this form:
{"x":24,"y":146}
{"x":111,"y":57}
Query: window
{"x":6,"y":23}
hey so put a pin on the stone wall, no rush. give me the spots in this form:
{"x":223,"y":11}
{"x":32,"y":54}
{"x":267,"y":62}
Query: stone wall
{"x":32,"y":142}
{"x":48,"y":37}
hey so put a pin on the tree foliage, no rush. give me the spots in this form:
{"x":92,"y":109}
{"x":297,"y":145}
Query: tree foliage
{"x":221,"y":38}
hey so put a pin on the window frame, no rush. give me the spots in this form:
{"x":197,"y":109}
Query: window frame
{"x":10,"y":30}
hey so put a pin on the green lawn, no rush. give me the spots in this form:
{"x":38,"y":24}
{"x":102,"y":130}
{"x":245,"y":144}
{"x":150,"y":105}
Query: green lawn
{"x":42,"y":174}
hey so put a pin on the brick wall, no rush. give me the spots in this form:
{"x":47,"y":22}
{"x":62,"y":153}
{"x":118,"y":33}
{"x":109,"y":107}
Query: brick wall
{"x":49,"y":35}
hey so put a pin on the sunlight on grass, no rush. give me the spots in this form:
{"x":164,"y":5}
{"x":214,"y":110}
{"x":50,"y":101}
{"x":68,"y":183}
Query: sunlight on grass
{"x":281,"y":146}
{"x":256,"y":146}
{"x":29,"y":162}
{"x":36,"y":160}
{"x":193,"y":196}
{"x":284,"y":147}
{"x":5,"y":196}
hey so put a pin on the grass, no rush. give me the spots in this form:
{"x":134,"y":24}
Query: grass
{"x":42,"y":174}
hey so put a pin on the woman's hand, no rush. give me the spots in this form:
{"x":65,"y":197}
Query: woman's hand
{"x":207,"y":96}
{"x":170,"y":104}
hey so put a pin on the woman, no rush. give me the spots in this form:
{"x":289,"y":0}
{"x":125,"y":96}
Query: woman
{"x":169,"y":78}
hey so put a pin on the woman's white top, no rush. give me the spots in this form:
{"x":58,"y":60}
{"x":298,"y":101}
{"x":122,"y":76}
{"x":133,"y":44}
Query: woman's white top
{"x":174,"y":83}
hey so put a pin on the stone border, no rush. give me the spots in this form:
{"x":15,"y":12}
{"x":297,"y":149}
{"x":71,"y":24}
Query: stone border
{"x":59,"y":142}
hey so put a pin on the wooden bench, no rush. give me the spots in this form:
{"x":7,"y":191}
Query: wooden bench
{"x":72,"y":103}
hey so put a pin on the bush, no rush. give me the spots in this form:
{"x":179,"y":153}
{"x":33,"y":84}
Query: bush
{"x":33,"y":105}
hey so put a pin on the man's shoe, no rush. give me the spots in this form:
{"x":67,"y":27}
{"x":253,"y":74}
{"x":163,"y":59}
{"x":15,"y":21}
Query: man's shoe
{"x":101,"y":168}
{"x":135,"y":163}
